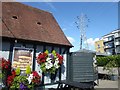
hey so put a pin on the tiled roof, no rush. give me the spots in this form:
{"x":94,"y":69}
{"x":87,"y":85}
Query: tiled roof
{"x":25,"y":22}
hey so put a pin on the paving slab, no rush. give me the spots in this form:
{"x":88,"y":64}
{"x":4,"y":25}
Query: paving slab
{"x":107,"y":84}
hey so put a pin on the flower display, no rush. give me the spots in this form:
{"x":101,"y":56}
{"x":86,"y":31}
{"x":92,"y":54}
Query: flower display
{"x":23,"y":87}
{"x":30,"y":78}
{"x":49,"y":62}
{"x":36,"y":78}
{"x":23,"y":82}
{"x":20,"y":82}
{"x":15,"y":80}
{"x":10,"y":78}
{"x":5,"y":64}
{"x":5,"y":67}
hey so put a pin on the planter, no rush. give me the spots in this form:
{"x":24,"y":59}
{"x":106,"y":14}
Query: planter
{"x":53,"y":77}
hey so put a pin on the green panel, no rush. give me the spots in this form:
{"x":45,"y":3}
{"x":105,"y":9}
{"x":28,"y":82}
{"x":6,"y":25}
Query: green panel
{"x":81,"y":67}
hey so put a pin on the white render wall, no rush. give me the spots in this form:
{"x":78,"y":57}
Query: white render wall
{"x":5,"y":50}
{"x":64,"y":68}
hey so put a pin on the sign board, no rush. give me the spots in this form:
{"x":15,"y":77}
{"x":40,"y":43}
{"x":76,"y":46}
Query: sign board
{"x":22,"y":57}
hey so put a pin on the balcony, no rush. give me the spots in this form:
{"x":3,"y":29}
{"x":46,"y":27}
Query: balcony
{"x":118,"y":49}
{"x":108,"y":40}
{"x":117,"y":35}
{"x":109,"y":53}
{"x":117,"y":43}
{"x":108,"y":46}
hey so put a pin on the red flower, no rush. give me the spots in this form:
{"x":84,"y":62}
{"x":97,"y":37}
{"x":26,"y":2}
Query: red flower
{"x":45,"y":54}
{"x":10,"y":80}
{"x":35,"y":73}
{"x":6,"y":67}
{"x":36,"y":81}
{"x":36,"y":78}
{"x":41,"y":58}
{"x":13,"y":73}
{"x":5,"y":64}
{"x":60,"y":58}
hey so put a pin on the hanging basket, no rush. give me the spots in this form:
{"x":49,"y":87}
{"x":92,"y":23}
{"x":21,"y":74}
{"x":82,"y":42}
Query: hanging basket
{"x":53,"y":76}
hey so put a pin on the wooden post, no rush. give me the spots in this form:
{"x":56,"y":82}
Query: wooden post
{"x":43,"y":74}
{"x":34,"y":56}
{"x":11,"y":50}
{"x":60,"y":67}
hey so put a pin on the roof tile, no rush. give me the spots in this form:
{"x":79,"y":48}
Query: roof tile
{"x":26,"y":22}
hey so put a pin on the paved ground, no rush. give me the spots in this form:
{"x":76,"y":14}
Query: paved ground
{"x":107,"y":85}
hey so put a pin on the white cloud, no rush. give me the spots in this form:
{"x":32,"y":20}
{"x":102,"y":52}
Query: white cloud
{"x":91,"y":43}
{"x":72,"y":40}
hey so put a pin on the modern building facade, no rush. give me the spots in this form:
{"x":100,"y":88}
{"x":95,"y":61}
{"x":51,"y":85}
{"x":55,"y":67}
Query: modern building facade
{"x":99,"y":46}
{"x":112,"y":42}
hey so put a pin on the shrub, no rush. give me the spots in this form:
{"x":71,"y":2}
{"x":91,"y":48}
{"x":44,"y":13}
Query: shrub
{"x":114,"y":60}
{"x":102,"y":61}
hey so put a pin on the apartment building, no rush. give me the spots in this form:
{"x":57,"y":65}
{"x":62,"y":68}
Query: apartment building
{"x":112,"y":42}
{"x":99,"y":46}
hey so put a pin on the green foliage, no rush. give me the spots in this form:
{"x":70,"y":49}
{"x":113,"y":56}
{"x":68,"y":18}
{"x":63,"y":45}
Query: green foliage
{"x":20,"y":79}
{"x":113,"y":59}
{"x":102,"y":61}
{"x":43,"y":67}
{"x":47,"y":52}
{"x":117,"y":59}
{"x":28,"y":70}
{"x":53,"y":70}
{"x":54,"y":53}
{"x":17,"y":71}
{"x":109,"y":62}
{"x":1,"y":75}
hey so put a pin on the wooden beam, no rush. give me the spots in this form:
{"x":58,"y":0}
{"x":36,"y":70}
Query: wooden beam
{"x":60,"y":67}
{"x":34,"y":56}
{"x":12,"y":43}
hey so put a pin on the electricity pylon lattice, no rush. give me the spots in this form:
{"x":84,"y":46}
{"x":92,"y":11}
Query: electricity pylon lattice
{"x":81,"y":23}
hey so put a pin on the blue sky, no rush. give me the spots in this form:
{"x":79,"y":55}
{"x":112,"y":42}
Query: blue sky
{"x":103,"y":18}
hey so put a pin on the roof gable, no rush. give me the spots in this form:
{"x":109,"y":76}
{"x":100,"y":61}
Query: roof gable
{"x":25,"y":22}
